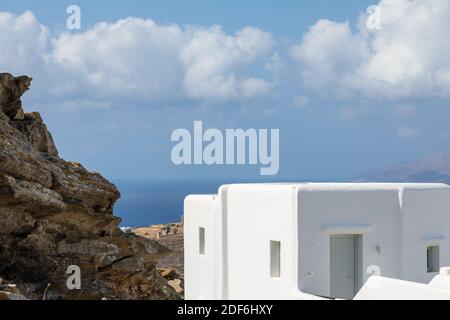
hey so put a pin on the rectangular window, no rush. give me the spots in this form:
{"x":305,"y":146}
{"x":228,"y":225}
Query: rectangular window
{"x":275,"y":263}
{"x":201,"y":241}
{"x":433,"y":259}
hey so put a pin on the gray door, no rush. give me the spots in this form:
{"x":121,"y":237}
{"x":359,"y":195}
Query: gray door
{"x":344,"y":259}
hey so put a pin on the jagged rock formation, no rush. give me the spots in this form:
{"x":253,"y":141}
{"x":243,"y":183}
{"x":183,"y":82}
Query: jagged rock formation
{"x":55,"y":213}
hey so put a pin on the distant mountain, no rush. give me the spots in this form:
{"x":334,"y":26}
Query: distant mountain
{"x":435,"y":168}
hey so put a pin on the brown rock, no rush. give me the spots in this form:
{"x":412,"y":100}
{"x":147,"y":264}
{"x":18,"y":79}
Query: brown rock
{"x":176,"y":285}
{"x":171,"y":266}
{"x":56,"y":213}
{"x":167,"y":273}
{"x":4,"y":295}
{"x":11,"y":89}
{"x":12,"y":288}
{"x":32,"y":126}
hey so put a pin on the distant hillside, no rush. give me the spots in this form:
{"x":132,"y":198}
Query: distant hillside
{"x":435,"y":168}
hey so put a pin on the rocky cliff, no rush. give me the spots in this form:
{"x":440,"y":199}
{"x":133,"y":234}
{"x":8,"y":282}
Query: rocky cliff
{"x":55,"y":213}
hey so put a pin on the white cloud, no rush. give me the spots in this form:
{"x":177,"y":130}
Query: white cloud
{"x":129,"y":58}
{"x":406,"y":57}
{"x":216,"y":64}
{"x":327,"y":51}
{"x":137,"y":59}
{"x":407,"y":133}
{"x":275,"y":64}
{"x":23,"y":43}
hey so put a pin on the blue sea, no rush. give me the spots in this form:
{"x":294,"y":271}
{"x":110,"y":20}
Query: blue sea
{"x":147,"y":202}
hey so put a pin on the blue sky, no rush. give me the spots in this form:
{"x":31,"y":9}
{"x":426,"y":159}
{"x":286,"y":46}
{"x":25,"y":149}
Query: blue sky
{"x":344,"y":97}
{"x":284,"y":18}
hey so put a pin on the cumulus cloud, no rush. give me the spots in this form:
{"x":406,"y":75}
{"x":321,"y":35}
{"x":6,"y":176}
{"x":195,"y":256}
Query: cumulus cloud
{"x":131,"y":57}
{"x":406,"y":57}
{"x":23,"y":42}
{"x":327,"y":52}
{"x":216,"y":63}
{"x":138,"y":59}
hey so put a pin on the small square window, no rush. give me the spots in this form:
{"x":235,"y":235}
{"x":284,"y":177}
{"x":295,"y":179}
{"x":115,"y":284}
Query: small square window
{"x":432,"y":259}
{"x":275,"y":263}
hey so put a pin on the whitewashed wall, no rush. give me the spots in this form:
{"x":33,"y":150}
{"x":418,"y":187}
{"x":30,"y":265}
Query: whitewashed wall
{"x":426,"y":222}
{"x":375,"y":214}
{"x":202,"y":272}
{"x":257,"y":214}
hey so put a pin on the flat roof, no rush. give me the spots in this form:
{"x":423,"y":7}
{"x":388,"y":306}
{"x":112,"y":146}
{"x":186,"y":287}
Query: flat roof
{"x":329,"y":186}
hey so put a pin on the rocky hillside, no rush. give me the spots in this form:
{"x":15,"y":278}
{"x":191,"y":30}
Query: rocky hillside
{"x":55,"y":213}
{"x":171,"y":266}
{"x":435,"y":168}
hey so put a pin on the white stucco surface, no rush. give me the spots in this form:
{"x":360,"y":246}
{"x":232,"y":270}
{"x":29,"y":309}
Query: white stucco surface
{"x":203,"y":272}
{"x":269,"y":215}
{"x":381,"y":288}
{"x":396,"y":223}
{"x":442,"y":279}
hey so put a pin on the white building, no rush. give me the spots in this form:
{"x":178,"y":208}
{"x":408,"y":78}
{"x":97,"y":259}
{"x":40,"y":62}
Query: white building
{"x":311,"y":240}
